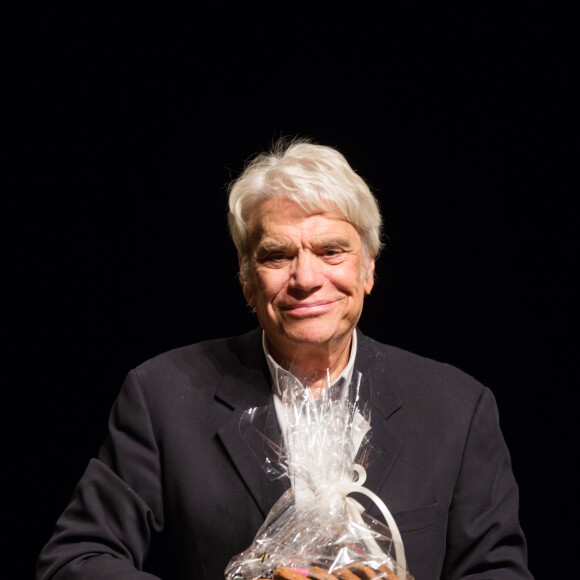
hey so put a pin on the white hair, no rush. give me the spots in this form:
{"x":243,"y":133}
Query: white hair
{"x":316,"y":177}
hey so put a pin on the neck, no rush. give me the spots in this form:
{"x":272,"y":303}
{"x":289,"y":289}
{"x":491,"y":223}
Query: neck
{"x":314,"y":365}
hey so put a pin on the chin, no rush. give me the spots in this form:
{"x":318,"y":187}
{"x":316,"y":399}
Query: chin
{"x":312,"y":333}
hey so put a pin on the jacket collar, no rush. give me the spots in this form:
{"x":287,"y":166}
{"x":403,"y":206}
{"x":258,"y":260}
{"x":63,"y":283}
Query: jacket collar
{"x":246,"y":380}
{"x":246,"y":385}
{"x":372,"y":361}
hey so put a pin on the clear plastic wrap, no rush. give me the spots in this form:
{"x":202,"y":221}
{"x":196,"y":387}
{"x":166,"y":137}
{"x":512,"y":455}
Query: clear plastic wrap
{"x":316,"y":529}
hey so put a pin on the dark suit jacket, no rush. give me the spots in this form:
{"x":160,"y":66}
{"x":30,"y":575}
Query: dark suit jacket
{"x":177,"y":488}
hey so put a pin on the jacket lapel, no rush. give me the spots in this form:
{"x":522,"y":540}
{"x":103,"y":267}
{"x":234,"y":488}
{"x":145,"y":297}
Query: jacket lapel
{"x":247,"y":385}
{"x":386,"y":446}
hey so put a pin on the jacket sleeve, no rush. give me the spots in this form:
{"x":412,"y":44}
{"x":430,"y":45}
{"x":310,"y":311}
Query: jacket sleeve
{"x":105,"y":531}
{"x":484,"y":538}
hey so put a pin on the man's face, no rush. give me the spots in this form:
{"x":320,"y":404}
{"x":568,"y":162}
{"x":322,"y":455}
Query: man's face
{"x":307,"y":276}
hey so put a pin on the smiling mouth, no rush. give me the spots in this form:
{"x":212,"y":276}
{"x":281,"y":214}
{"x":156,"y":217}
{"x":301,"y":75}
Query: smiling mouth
{"x":309,"y":309}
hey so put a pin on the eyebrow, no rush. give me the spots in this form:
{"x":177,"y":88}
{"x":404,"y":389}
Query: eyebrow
{"x":264,"y":246}
{"x":330,"y":241}
{"x":271,"y":246}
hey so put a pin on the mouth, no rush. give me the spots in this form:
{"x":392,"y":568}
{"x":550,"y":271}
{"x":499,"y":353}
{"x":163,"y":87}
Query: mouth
{"x":301,"y":310}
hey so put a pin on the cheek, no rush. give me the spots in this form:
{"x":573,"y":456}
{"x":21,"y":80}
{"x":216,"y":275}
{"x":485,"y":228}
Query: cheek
{"x":271,"y":283}
{"x":349,"y":279}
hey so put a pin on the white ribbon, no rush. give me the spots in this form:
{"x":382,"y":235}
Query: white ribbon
{"x":356,"y":510}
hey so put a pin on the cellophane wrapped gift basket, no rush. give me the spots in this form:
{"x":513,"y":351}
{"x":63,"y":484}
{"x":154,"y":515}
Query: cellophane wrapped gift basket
{"x":316,"y":529}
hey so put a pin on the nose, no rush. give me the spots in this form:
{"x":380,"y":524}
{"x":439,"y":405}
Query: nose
{"x":305,"y":273}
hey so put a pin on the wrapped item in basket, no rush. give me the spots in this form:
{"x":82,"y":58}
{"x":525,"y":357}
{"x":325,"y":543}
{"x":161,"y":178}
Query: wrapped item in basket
{"x":316,"y":529}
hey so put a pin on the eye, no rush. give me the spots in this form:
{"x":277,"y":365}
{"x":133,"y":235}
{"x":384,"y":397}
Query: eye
{"x":272,"y":258}
{"x":332,"y":254}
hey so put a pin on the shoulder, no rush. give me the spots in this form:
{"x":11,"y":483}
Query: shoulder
{"x":203,"y":364}
{"x":420,"y":380}
{"x":207,"y":353}
{"x":434,"y":405}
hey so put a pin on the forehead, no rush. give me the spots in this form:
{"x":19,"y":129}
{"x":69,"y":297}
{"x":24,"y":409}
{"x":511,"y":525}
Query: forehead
{"x":282,"y":218}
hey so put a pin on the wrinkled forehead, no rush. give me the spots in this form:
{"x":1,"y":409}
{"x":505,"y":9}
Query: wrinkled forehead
{"x":292,"y":211}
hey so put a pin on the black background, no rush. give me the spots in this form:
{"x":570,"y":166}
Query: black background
{"x":128,"y":124}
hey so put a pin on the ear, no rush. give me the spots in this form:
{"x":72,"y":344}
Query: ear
{"x":247,"y":288}
{"x":370,"y":276}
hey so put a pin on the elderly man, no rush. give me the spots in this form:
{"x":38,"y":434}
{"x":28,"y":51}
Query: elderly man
{"x":177,"y":491}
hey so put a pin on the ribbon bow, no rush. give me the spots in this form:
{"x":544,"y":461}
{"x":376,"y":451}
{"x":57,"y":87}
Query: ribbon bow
{"x":356,"y":509}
